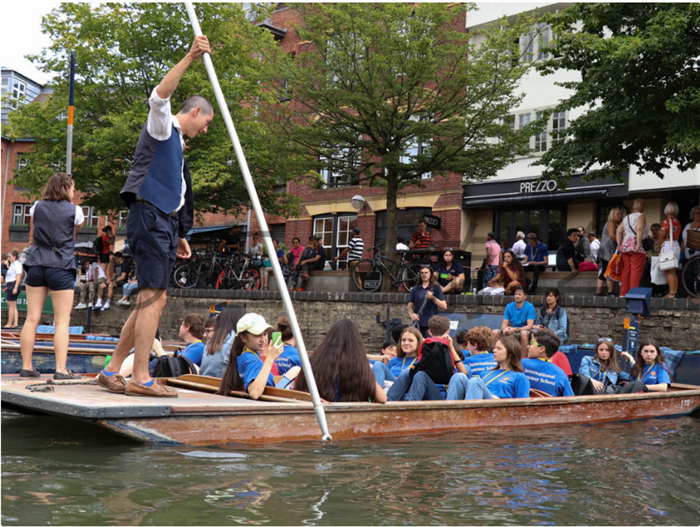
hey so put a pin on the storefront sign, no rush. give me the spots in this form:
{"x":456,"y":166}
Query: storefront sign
{"x":433,"y":222}
{"x":532,"y":187}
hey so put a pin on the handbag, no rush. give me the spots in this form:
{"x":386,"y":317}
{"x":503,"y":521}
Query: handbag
{"x":668,"y":261}
{"x":658,"y":276}
{"x":614,"y":270}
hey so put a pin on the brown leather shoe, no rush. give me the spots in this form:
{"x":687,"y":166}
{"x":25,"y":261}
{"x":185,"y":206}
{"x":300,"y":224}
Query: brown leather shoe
{"x":154,"y":390}
{"x":114,"y":383}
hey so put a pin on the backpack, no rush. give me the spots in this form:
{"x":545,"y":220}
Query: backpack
{"x":435,"y":359}
{"x":97,"y":245}
{"x":173,"y":366}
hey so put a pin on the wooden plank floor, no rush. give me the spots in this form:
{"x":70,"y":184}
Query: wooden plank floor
{"x":94,"y":402}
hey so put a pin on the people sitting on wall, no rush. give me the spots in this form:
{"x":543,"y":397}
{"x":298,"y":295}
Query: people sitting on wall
{"x":536,"y":259}
{"x":553,"y":316}
{"x":438,"y":360}
{"x":649,"y":372}
{"x":118,"y":273}
{"x":511,"y":274}
{"x":568,"y":257}
{"x":341,"y":369}
{"x":450,"y":274}
{"x":421,"y":238}
{"x":246,"y":369}
{"x":478,"y":358}
{"x":217,"y":351}
{"x":505,"y":381}
{"x":410,"y":342}
{"x":131,"y":286}
{"x":539,"y":369}
{"x":95,"y":285}
{"x":519,"y":246}
{"x":292,"y":259}
{"x":518,"y":319}
{"x":313,"y":256}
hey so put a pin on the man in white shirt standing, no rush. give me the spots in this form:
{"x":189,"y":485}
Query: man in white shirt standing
{"x":161,"y":209}
{"x":519,"y":246}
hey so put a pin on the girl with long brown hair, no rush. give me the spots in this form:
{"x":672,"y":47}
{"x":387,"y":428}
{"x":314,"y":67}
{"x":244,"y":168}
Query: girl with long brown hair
{"x":650,"y":369}
{"x":218,"y":349}
{"x":409,"y":343}
{"x":510,"y":274}
{"x":341,"y":368}
{"x":424,"y":299}
{"x":246,"y":370}
{"x":506,"y":381}
{"x":51,"y":267}
{"x":602,"y":369}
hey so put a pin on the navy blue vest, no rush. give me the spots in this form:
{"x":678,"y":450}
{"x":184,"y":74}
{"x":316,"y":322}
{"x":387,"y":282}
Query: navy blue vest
{"x":54,"y":238}
{"x":156,"y":174}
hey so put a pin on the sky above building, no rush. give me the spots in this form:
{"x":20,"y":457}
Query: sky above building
{"x":21,"y":34}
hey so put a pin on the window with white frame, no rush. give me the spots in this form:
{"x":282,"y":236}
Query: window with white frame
{"x":554,"y":131}
{"x":534,"y":42}
{"x":92,"y":219}
{"x":20,"y":214}
{"x":335,"y":233}
{"x":3,"y":92}
{"x":19,"y":91}
{"x":414,"y":148}
{"x":345,"y":226}
{"x":323,"y":228}
{"x":22,"y":161}
{"x":121,"y":221}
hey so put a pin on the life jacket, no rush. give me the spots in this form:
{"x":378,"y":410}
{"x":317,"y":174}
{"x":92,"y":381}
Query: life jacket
{"x":435,"y":359}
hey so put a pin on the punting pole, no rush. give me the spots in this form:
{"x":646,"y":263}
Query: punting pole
{"x":253,"y":194}
{"x":71,"y":92}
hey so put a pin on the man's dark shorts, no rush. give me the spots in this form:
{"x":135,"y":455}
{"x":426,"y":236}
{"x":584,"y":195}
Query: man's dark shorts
{"x":104,"y":257}
{"x":152,"y":238}
{"x":51,"y":277}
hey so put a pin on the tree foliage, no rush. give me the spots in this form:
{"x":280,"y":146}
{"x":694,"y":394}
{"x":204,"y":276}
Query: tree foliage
{"x":640,"y":85}
{"x":122,"y":52}
{"x":375,"y":80}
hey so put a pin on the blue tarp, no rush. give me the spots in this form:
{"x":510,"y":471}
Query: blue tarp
{"x":72,"y":330}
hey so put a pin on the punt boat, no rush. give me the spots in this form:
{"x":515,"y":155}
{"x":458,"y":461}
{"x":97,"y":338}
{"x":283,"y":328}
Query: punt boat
{"x":198,"y":417}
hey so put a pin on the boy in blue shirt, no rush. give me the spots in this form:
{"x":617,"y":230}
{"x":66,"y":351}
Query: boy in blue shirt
{"x":518,"y":320}
{"x":540,"y":371}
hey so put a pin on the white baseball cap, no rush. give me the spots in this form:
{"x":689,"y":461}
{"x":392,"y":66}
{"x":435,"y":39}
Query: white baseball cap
{"x":252,"y":323}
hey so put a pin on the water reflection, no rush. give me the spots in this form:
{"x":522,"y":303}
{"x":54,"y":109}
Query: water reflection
{"x":644,"y":472}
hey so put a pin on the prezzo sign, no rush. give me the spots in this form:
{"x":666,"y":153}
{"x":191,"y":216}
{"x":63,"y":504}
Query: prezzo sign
{"x":433,"y":222}
{"x":532,"y":187}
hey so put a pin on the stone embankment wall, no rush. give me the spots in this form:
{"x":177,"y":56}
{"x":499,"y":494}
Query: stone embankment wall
{"x":674,"y":322}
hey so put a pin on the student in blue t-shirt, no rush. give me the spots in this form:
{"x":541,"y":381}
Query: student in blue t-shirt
{"x":290,"y":356}
{"x":506,"y":381}
{"x":539,"y":369}
{"x":518,"y":320}
{"x":650,"y":371}
{"x":410,"y":342}
{"x":479,"y":359}
{"x":191,"y":332}
{"x":248,"y":372}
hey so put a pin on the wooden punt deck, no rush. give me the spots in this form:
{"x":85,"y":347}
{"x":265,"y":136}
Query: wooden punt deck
{"x":200,"y":418}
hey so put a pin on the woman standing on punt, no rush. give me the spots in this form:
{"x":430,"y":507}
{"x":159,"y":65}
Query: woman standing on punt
{"x":409,"y":343}
{"x":506,"y":381}
{"x":650,"y":372}
{"x":341,"y":369}
{"x":602,"y":369}
{"x":51,"y":267}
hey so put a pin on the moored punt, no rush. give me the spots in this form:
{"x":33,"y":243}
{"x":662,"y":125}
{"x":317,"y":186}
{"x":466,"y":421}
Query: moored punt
{"x":201,"y":418}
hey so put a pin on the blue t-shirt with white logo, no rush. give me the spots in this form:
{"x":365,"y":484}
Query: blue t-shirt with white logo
{"x":547,"y":377}
{"x":249,"y":366}
{"x":288,"y":359}
{"x":518,"y":317}
{"x":506,"y":384}
{"x":479,"y":363}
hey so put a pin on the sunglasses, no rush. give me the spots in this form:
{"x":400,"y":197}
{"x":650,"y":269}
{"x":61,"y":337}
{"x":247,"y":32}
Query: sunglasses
{"x":604,"y":339}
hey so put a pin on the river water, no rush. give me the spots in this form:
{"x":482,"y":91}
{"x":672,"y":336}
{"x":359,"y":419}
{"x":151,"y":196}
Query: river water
{"x":59,"y":472}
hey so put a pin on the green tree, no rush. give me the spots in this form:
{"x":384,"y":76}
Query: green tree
{"x":640,"y":85}
{"x":384,"y":93}
{"x":122,"y":52}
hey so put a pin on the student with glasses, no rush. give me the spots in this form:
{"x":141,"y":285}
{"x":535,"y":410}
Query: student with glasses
{"x":425,"y":299}
{"x":539,"y":369}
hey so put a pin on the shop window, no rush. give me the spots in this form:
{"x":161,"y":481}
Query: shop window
{"x":546,"y":222}
{"x":408,"y":224}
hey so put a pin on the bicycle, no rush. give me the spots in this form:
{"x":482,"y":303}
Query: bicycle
{"x":690,"y":274}
{"x":202,"y":271}
{"x":368,"y":274}
{"x":238,"y":276}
